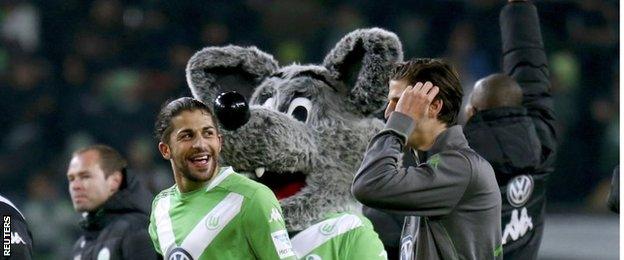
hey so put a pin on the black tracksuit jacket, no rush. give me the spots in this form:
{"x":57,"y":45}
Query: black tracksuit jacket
{"x":118,"y":230}
{"x":520,"y":142}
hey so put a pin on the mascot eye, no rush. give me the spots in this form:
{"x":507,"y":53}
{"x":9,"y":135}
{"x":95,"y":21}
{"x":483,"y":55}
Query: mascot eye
{"x":300,"y":108}
{"x":268,"y":103}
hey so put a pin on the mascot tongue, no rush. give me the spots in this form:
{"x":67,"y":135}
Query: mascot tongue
{"x":283,"y":184}
{"x":287,"y":190}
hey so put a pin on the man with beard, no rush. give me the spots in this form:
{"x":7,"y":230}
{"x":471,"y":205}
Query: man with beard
{"x":452,"y":189}
{"x":114,"y":204}
{"x":211,"y":212}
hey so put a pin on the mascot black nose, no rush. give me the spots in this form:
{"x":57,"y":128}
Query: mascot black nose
{"x":232,"y":110}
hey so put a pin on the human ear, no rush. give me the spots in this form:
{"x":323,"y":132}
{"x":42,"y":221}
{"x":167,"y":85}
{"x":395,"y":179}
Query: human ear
{"x":435,"y":107}
{"x":220,"y":141}
{"x":114,"y":181}
{"x":165,"y":151}
{"x":470,"y":112}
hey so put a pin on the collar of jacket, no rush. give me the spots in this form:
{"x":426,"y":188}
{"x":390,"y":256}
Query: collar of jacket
{"x":132,"y":197}
{"x":495,"y":114}
{"x":450,"y":139}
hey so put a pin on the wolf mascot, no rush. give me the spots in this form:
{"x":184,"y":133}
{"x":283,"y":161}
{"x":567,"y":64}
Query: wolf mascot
{"x":307,"y":132}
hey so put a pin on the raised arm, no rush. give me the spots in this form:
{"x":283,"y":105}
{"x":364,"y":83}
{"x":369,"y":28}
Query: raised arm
{"x":524,"y":59}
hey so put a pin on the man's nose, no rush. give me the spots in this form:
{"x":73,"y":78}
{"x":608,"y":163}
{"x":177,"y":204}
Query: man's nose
{"x":75,"y":185}
{"x":200,"y":142}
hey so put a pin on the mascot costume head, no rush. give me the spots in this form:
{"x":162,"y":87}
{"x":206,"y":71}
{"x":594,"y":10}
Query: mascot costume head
{"x":307,"y":126}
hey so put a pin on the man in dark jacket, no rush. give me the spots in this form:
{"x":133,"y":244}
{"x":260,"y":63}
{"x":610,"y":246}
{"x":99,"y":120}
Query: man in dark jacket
{"x":511,"y":124}
{"x":16,"y":238}
{"x":115,"y":206}
{"x":453,"y":189}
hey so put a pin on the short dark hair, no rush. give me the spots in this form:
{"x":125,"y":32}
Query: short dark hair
{"x":110,"y":159}
{"x":170,"y":109}
{"x":441,"y":74}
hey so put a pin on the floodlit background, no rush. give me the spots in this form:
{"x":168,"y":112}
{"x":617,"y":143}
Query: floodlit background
{"x":76,"y":72}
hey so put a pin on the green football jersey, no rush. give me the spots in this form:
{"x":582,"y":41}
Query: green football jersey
{"x":233,"y":217}
{"x":342,"y":236}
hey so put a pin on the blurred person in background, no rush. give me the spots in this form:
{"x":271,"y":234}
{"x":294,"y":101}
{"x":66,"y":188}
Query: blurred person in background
{"x":114,"y":204}
{"x":141,"y":154}
{"x":50,"y":215}
{"x":511,"y":123}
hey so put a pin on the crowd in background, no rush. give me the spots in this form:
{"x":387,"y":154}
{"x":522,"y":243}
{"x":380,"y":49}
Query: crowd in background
{"x":76,"y":72}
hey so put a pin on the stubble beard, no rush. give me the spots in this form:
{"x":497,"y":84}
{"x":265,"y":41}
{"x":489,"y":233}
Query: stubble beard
{"x":188,"y":174}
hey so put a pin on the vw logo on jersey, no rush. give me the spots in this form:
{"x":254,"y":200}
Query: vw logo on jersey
{"x":519,"y":190}
{"x":179,"y":253}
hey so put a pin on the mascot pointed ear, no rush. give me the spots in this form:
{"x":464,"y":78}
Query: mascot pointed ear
{"x":361,"y":61}
{"x":214,"y":70}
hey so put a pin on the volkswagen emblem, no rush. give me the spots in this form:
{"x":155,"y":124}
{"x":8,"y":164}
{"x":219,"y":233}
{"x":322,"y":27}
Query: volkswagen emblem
{"x":519,"y":190}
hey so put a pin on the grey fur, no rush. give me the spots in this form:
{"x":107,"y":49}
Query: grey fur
{"x":381,"y":50}
{"x":327,"y":147}
{"x":248,"y":59}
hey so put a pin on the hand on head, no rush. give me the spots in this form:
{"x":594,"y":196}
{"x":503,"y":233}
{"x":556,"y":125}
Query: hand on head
{"x":415,"y":100}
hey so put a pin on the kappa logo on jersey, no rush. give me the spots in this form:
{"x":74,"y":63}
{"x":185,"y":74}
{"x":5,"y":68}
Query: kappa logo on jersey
{"x":519,"y":190}
{"x":275,"y":216}
{"x":406,"y":248}
{"x":16,"y":239}
{"x":283,"y":247}
{"x":212,"y":222}
{"x":179,"y":253}
{"x":517,"y":227}
{"x":104,"y":254}
{"x":327,"y":229}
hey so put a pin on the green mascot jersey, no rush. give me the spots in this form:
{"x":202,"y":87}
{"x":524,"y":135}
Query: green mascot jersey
{"x":233,"y":217}
{"x":341,"y":236}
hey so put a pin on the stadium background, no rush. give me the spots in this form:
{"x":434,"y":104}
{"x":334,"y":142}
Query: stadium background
{"x":77,"y":72}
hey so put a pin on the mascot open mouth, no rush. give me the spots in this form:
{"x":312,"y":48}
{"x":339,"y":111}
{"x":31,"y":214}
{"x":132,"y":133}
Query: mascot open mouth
{"x":283,"y":184}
